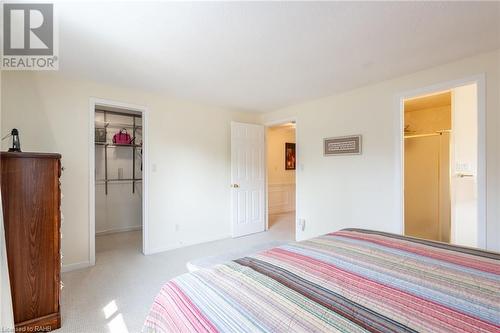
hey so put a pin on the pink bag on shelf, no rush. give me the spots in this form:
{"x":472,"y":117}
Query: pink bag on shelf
{"x":122,"y":138}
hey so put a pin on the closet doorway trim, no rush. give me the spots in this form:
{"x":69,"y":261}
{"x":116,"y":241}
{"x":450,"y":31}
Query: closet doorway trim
{"x":145,"y":177}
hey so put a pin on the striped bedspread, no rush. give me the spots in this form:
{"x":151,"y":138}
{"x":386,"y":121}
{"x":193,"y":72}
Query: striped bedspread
{"x":352,"y":280}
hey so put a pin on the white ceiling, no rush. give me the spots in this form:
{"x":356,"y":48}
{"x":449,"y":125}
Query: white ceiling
{"x":260,"y":56}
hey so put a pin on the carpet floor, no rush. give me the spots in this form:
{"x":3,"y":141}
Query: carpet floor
{"x":115,"y":295}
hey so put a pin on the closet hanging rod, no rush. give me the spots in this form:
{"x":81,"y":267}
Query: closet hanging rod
{"x":426,"y":134}
{"x":118,"y":113}
{"x":120,"y":180}
{"x":107,"y":124}
{"x":114,"y":145}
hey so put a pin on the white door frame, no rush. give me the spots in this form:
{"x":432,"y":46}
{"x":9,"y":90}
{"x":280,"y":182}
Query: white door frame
{"x":480,"y":82}
{"x":145,"y":170}
{"x":266,"y":196}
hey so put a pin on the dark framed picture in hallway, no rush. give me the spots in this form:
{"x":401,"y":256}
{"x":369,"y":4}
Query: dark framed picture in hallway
{"x":289,"y":156}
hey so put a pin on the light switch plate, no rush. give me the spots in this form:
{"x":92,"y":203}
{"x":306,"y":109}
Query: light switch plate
{"x":463,"y":167}
{"x":301,"y":223}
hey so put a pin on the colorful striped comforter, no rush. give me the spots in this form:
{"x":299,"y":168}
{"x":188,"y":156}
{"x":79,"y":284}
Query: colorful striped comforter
{"x":349,"y":281}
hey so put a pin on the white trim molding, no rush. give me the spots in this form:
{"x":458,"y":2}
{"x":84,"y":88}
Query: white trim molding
{"x":281,"y":121}
{"x":480,"y":81}
{"x":145,"y":176}
{"x":75,"y":266}
{"x":118,"y":230}
{"x":281,"y":198}
{"x":178,"y":246}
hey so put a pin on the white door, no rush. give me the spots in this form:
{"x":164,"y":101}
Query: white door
{"x":247,"y":179}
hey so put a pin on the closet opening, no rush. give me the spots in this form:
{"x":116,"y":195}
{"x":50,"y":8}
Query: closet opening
{"x":119,"y":164}
{"x":441,"y":166}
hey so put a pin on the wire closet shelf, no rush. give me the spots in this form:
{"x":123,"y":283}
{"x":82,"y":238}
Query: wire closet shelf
{"x":136,"y":128}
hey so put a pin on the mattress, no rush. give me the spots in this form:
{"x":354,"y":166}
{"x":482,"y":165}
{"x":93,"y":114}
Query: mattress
{"x":352,"y":280}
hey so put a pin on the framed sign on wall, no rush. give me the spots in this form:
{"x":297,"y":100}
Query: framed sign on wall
{"x":342,"y":145}
{"x":290,"y":156}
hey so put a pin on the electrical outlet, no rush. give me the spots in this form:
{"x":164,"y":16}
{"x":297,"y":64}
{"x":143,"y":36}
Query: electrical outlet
{"x":177,"y":227}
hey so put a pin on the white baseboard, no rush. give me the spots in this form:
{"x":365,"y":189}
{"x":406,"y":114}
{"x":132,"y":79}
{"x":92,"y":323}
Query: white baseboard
{"x":75,"y":266}
{"x":175,"y":247}
{"x":117,"y":230}
{"x":281,"y":198}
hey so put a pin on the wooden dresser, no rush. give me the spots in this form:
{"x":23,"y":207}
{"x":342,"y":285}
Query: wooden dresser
{"x":31,"y":209}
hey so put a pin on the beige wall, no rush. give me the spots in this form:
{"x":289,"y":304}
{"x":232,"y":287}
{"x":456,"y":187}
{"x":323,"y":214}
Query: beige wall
{"x":276,"y":138}
{"x":189,"y":145}
{"x":363,"y":190}
{"x":281,"y":182}
{"x":190,"y":148}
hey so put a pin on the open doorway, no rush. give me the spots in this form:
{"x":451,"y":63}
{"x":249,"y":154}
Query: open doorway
{"x":117,"y":178}
{"x":281,"y":165}
{"x":441,"y":157}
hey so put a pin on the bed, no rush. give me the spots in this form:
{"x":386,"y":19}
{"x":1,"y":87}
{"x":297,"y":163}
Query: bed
{"x":352,"y":280}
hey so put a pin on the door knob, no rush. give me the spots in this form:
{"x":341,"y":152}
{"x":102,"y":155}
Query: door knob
{"x":235,"y":185}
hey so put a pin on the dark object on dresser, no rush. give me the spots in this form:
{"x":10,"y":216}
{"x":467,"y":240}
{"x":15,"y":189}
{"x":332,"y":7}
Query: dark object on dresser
{"x":31,"y":209}
{"x":16,"y":143}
